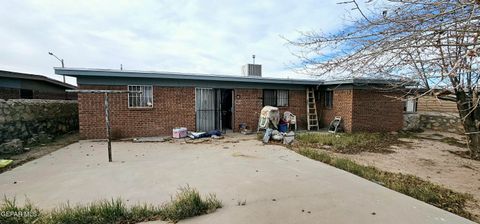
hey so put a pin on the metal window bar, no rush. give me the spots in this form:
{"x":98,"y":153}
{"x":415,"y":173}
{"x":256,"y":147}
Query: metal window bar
{"x":282,"y":98}
{"x":269,"y":98}
{"x":207,"y":108}
{"x":275,"y":98}
{"x":142,"y":99}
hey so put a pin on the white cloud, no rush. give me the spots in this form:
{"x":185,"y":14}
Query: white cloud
{"x":186,"y":36}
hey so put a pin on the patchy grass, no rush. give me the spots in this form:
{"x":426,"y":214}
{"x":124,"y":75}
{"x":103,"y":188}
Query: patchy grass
{"x":105,"y":211}
{"x":11,"y":213}
{"x":186,"y":203}
{"x":409,"y":134}
{"x":407,"y":184}
{"x":350,"y":142}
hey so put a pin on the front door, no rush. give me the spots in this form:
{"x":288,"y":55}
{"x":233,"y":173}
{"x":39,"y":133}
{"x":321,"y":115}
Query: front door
{"x":205,"y":108}
{"x":213,"y":108}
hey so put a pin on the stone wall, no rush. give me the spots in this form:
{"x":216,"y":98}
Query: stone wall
{"x":445,"y":122}
{"x":27,"y":121}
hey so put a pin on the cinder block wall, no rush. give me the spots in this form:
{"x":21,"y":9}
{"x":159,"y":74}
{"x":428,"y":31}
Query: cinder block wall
{"x":249,"y":102}
{"x":172,"y":107}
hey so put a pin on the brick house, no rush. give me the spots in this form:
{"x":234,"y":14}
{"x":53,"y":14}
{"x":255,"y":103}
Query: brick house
{"x":16,"y":85}
{"x":205,"y":102}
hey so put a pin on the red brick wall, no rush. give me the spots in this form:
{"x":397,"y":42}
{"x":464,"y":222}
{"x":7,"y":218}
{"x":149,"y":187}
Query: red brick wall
{"x":342,"y":106}
{"x":297,"y":105}
{"x":375,"y":110}
{"x":249,"y":102}
{"x":172,"y":107}
{"x":363,"y":110}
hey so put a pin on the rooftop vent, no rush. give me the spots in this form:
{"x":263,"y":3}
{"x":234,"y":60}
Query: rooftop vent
{"x":252,"y":69}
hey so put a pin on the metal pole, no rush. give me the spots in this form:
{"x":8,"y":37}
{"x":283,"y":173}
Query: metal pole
{"x":107,"y":121}
{"x":63,"y":66}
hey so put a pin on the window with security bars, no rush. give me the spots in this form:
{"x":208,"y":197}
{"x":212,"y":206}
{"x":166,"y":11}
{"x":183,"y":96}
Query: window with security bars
{"x":276,"y":98}
{"x":143,"y":99}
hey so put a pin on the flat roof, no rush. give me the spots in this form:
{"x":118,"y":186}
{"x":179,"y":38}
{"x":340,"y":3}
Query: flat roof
{"x":361,"y":81}
{"x":20,"y":75}
{"x":116,"y":73}
{"x":82,"y":72}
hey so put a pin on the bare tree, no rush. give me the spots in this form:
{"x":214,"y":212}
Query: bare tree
{"x":431,"y":42}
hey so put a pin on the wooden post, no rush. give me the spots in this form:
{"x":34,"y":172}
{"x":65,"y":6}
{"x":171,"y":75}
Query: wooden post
{"x":107,"y":122}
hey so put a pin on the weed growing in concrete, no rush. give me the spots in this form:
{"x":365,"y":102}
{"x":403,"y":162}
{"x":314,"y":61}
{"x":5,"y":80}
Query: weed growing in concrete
{"x":188,"y":203}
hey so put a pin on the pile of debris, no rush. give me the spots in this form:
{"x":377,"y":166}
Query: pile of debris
{"x":276,"y":128}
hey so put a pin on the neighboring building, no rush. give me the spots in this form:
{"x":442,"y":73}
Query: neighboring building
{"x":205,"y":102}
{"x":433,"y":104}
{"x":429,"y":111}
{"x":15,"y":85}
{"x":420,"y":102}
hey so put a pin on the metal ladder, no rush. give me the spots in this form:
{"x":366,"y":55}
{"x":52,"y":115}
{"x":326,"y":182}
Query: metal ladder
{"x":312,"y":117}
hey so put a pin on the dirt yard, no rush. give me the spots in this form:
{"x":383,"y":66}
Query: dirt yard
{"x":429,"y":157}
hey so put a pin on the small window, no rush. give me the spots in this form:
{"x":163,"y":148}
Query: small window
{"x":275,"y":98}
{"x":328,"y":99}
{"x":410,"y":105}
{"x":140,"y":100}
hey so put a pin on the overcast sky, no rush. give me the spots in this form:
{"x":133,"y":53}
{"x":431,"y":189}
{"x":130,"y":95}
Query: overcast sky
{"x":215,"y":37}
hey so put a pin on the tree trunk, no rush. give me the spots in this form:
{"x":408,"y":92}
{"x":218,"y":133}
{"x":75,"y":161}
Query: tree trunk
{"x":470,"y":120}
{"x":474,"y":145}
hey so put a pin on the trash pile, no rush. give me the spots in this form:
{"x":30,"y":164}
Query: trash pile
{"x":208,"y":134}
{"x":276,"y":128}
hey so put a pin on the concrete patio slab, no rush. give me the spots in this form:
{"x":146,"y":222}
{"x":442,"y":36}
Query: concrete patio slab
{"x":278,"y":185}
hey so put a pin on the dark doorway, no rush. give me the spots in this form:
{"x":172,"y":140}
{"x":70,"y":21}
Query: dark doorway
{"x":226,"y":108}
{"x":214,"y":109}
